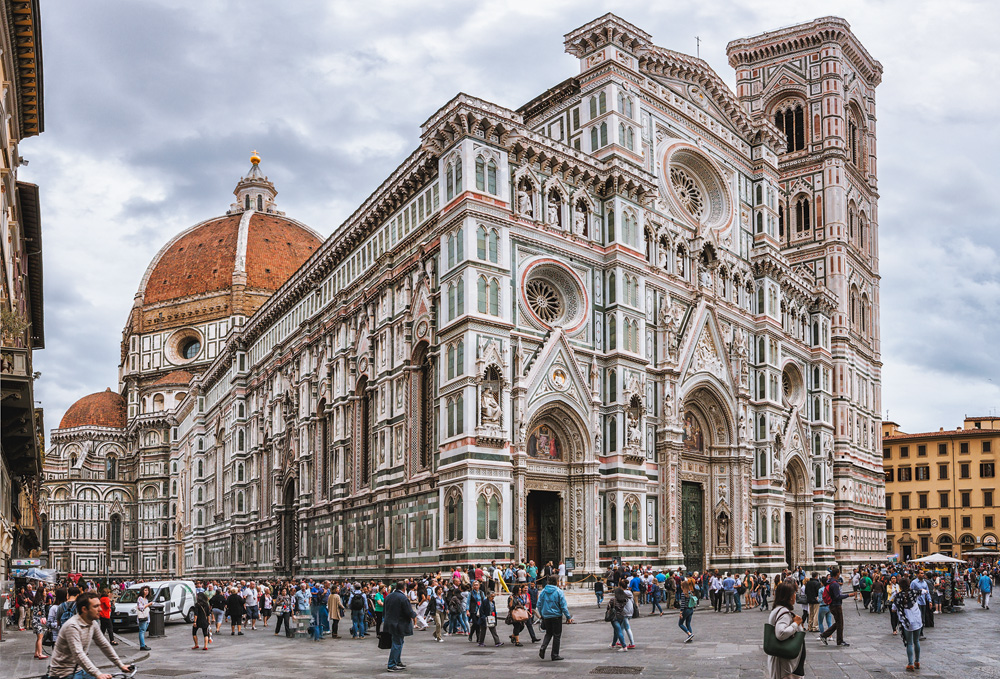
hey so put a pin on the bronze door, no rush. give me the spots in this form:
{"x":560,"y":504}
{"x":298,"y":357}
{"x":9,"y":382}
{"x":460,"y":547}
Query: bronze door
{"x":692,"y":526}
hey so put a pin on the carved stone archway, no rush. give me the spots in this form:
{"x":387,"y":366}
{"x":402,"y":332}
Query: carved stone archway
{"x":797,"y":515}
{"x":557,"y":461}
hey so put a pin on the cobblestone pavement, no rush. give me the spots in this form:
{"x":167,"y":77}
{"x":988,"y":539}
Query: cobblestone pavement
{"x":961,"y":645}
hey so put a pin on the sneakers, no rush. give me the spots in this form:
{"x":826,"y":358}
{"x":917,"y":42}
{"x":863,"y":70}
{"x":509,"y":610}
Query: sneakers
{"x":909,"y":668}
{"x":916,"y":665}
{"x":688,"y":640}
{"x":498,"y":644}
{"x":395,"y":668}
{"x":631,"y":646}
{"x":843,"y":643}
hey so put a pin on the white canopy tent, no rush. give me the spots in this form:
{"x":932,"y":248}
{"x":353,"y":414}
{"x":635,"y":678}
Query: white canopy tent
{"x":936,"y":558}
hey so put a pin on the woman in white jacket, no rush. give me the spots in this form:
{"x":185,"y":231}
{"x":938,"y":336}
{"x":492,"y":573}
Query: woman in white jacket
{"x":786,"y":624}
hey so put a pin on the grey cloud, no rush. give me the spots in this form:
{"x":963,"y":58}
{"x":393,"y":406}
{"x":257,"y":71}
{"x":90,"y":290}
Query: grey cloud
{"x":175,"y":94}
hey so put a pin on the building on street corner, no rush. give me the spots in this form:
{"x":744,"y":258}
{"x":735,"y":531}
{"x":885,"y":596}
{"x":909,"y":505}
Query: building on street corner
{"x":940,"y":488}
{"x":21,"y":314}
{"x":637,"y":317}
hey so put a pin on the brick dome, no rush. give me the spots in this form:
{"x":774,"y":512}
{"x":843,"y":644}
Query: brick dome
{"x":262,"y":249}
{"x":103,"y":409}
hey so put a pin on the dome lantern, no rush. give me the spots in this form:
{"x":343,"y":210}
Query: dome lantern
{"x":254,"y":191}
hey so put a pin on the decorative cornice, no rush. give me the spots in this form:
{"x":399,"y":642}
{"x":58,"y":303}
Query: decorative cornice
{"x":24,"y":35}
{"x":609,"y":29}
{"x":807,"y":36}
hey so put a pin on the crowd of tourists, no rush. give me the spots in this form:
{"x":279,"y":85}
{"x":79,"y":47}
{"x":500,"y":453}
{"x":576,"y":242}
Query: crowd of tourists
{"x":529,"y":605}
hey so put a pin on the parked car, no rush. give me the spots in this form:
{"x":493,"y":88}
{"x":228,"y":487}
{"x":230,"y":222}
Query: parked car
{"x":176,"y":596}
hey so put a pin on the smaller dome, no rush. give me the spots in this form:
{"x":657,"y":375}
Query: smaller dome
{"x":177,"y":377}
{"x":103,"y":409}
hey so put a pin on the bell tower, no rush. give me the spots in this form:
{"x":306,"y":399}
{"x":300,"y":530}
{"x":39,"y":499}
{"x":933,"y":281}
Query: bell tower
{"x":815,"y":83}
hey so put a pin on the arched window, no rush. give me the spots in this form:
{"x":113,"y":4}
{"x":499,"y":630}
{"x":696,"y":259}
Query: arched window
{"x":612,"y":285}
{"x":157,"y":402}
{"x":480,"y":173}
{"x":613,"y":521}
{"x":239,"y":502}
{"x":458,"y":176}
{"x":494,"y":297}
{"x":200,"y":518}
{"x":488,"y":516}
{"x":781,"y":221}
{"x":593,"y":107}
{"x":790,"y":120}
{"x":802,"y":221}
{"x":422,"y":405}
{"x":612,"y":386}
{"x":449,"y":182}
{"x":366,"y":436}
{"x":604,"y":133}
{"x":481,"y":239}
{"x":240,"y":440}
{"x":246,"y":201}
{"x":630,"y":139}
{"x":201,"y":469}
{"x":612,"y":333}
{"x":612,"y":434}
{"x":864,"y":314}
{"x":45,"y":532}
{"x":239,"y":472}
{"x":483,"y":290}
{"x":621,"y":133}
{"x":595,"y":139}
{"x":454,"y":512}
{"x":611,"y":225}
{"x":491,"y":177}
{"x":494,"y":246}
{"x":111,"y":468}
{"x":260,"y":203}
{"x":116,"y":533}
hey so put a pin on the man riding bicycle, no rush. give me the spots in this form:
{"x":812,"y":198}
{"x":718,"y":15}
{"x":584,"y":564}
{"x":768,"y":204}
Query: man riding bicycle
{"x":69,"y":657}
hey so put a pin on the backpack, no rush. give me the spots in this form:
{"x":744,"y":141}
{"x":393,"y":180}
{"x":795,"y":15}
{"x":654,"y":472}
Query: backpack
{"x":357,"y":602}
{"x":67,"y":610}
{"x":827,"y":599}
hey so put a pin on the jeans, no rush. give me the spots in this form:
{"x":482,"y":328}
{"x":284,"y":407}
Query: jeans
{"x":912,"y":640}
{"x":463,"y":620}
{"x":617,"y":637}
{"x":218,"y":615}
{"x":627,"y":631}
{"x":600,"y":597}
{"x":685,"y":619}
{"x":324,"y":618}
{"x":530,"y":624}
{"x":358,"y":624}
{"x":553,"y":631}
{"x":728,"y":598}
{"x":396,"y":651}
{"x":82,"y":674}
{"x":739,"y":603}
{"x":143,"y":624}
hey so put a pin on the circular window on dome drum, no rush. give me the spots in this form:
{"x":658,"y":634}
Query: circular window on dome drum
{"x":695,"y":187}
{"x":184,"y":346}
{"x":553,"y":295}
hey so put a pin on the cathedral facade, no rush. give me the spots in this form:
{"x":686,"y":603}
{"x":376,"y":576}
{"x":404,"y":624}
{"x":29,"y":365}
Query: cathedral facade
{"x":636,"y":317}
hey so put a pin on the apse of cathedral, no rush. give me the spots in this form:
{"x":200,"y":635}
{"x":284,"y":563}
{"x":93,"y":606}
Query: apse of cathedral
{"x":635,"y":318}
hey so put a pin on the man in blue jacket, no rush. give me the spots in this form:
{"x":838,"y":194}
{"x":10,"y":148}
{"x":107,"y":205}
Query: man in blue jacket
{"x":985,"y":589}
{"x":552,"y":608}
{"x":836,"y":609}
{"x":397,"y":623}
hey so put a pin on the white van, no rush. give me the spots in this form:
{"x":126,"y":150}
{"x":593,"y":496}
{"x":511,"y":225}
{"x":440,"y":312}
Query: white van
{"x":176,"y":596}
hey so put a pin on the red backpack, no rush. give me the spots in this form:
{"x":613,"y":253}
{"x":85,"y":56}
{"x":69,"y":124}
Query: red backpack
{"x":826,"y":596}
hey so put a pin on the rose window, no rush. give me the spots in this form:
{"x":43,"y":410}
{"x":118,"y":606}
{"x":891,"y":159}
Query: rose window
{"x":688,"y":192}
{"x":544,"y":300}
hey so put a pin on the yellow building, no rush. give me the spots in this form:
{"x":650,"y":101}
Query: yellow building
{"x":940,"y":488}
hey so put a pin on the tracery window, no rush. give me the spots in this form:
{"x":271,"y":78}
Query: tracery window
{"x":111,"y":468}
{"x":489,"y":295}
{"x":456,"y":359}
{"x":488,"y":244}
{"x":598,"y":104}
{"x":613,"y":521}
{"x":630,"y":516}
{"x":802,"y":220}
{"x":791,"y":122}
{"x":488,"y":515}
{"x":456,"y":247}
{"x":454,"y":512}
{"x":456,"y":299}
{"x":455,"y":411}
{"x":612,"y":386}
{"x":115,"y":537}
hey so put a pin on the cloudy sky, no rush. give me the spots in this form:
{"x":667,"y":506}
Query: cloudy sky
{"x":152,"y":109}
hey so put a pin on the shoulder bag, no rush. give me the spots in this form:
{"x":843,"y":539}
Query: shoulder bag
{"x":788,"y":649}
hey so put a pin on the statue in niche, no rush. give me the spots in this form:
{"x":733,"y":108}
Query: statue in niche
{"x":524,"y":203}
{"x":580,"y":222}
{"x":634,"y":428}
{"x":723,"y":532}
{"x":491,"y":408}
{"x":743,"y":427}
{"x":552,"y":214}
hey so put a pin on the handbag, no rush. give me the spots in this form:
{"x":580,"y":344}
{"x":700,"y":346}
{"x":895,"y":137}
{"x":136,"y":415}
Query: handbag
{"x":519,"y":615}
{"x":788,"y":649}
{"x":385,"y":641}
{"x":491,"y":620}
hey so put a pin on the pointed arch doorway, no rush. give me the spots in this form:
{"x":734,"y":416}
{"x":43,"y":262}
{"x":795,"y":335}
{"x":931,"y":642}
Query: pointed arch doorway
{"x":544,"y":527}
